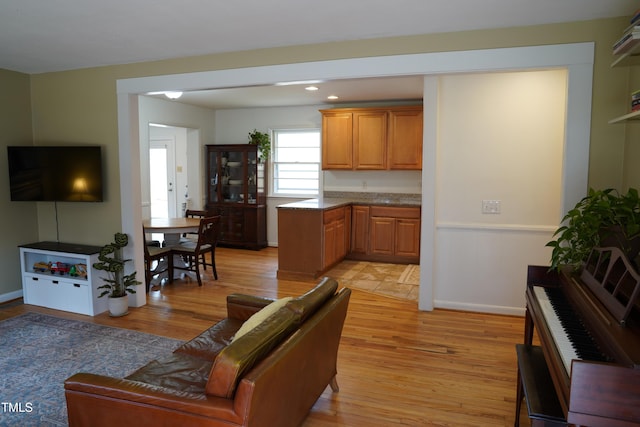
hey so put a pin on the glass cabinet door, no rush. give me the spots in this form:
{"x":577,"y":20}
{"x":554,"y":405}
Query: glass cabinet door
{"x":214,"y":177}
{"x":236,"y":176}
{"x":252,"y":177}
{"x":233,"y":181}
{"x":237,"y":192}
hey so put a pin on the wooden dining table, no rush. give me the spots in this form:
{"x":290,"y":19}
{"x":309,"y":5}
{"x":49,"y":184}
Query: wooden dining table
{"x":172,"y":228}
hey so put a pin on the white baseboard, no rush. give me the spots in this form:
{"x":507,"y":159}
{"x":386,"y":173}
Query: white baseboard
{"x":480,"y":308}
{"x":10,"y":296}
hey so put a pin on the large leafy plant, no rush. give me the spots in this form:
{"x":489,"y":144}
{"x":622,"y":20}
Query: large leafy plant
{"x":602,"y":218}
{"x":117,"y":284}
{"x":263,"y":141}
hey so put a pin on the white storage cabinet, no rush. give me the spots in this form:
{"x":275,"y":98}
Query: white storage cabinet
{"x":62,"y":291}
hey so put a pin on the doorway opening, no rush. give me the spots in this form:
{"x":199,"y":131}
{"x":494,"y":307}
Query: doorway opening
{"x":162,"y":178}
{"x":168,"y":178}
{"x":577,"y":58}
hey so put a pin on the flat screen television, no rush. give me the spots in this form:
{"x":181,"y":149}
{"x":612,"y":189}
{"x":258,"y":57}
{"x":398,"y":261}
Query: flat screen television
{"x":55,"y":173}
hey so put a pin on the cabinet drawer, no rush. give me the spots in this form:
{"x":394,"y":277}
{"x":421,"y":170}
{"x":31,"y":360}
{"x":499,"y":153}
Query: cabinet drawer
{"x":59,"y":294}
{"x":333,"y":215}
{"x":394,"y":212}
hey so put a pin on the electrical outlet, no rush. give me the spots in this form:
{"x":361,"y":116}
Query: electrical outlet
{"x":491,"y":206}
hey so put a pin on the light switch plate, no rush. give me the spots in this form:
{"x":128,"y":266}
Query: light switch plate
{"x":491,"y":206}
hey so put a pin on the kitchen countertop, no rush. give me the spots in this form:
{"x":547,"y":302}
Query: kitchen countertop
{"x":344,"y":199}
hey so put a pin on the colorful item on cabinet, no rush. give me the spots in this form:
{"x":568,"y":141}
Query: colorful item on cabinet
{"x":78,"y":270}
{"x":60,"y":268}
{"x":42,"y":267}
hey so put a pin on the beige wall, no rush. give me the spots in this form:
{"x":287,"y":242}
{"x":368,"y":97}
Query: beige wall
{"x":501,"y":137}
{"x":18,"y":219}
{"x":80,"y":106}
{"x":631,"y":152}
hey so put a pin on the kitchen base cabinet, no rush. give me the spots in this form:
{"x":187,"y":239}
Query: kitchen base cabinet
{"x":336,"y":237}
{"x":359,"y":230}
{"x":314,"y":237}
{"x":407,"y":237}
{"x":382,"y":236}
{"x":311,"y":241}
{"x":386,"y":234}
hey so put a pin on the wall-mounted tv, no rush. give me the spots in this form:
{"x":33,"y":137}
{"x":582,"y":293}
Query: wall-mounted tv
{"x":55,"y":173}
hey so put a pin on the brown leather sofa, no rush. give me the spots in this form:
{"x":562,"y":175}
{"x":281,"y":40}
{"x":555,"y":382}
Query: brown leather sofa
{"x":271,"y":376}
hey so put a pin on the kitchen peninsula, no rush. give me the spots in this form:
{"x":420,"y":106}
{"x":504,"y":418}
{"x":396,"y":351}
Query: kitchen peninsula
{"x":316,"y":234}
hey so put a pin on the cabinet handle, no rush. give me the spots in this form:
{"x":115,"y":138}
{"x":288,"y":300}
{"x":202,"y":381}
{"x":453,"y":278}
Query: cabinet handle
{"x":76,"y":285}
{"x":55,"y":282}
{"x":35,"y":279}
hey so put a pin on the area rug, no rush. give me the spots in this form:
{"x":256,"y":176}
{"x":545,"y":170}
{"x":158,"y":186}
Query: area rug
{"x":38,"y":352}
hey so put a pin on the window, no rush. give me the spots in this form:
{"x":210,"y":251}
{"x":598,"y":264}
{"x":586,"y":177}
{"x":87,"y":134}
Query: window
{"x":296,"y":162}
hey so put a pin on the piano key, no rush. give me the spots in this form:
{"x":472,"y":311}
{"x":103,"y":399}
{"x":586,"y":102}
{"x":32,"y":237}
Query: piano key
{"x":559,"y":334}
{"x":571,"y":337}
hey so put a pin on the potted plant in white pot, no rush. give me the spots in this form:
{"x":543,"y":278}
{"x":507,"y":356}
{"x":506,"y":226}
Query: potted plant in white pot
{"x":117,"y":284}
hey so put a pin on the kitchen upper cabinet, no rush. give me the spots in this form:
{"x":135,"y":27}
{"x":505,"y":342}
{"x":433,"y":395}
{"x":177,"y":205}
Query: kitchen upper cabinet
{"x":337,"y":140}
{"x":405,"y":139}
{"x":372,"y":138}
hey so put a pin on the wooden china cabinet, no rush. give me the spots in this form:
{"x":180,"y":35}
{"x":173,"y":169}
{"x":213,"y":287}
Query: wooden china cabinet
{"x":236,"y":190}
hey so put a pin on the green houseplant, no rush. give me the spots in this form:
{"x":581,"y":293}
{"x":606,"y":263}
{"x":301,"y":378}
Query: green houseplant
{"x":263,"y":142}
{"x":117,"y":284}
{"x":602,"y":218}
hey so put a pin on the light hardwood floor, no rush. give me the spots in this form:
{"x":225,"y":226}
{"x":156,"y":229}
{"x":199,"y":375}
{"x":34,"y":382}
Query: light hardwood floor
{"x":397,"y":366}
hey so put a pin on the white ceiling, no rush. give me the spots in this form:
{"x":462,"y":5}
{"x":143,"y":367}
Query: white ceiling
{"x":349,"y":91}
{"x":43,"y":36}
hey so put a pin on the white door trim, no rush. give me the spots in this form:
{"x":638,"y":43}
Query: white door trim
{"x":577,"y":58}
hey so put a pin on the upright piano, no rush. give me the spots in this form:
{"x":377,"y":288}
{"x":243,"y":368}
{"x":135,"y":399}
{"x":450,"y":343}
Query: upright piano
{"x":588,"y":326}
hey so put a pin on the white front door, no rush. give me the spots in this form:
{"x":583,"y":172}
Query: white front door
{"x":162,"y":178}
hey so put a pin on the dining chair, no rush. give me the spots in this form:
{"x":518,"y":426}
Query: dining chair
{"x":158,"y":255}
{"x":195,"y":252}
{"x":193,"y":213}
{"x":191,"y":237}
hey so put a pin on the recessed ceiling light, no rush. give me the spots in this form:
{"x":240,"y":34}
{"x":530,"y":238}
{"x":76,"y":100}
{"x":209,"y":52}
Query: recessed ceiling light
{"x":171,"y":94}
{"x":299,"y":82}
{"x":311,"y":88}
{"x":332,"y":97}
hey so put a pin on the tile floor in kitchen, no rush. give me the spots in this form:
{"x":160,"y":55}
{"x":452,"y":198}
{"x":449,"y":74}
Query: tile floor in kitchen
{"x":393,"y":280}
